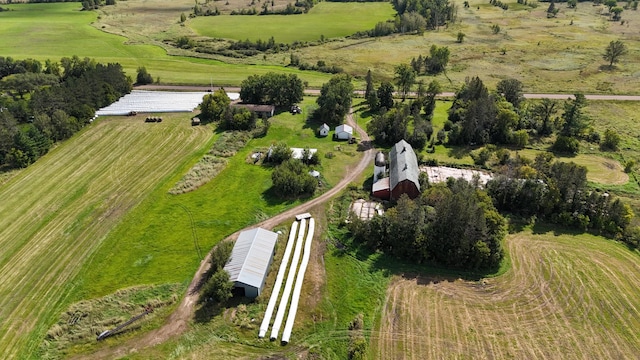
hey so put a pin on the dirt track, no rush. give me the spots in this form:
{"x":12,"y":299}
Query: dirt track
{"x":178,"y":321}
{"x":316,"y":92}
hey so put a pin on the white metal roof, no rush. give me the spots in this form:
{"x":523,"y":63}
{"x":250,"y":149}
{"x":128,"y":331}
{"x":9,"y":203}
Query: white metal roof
{"x":381,"y":184}
{"x":251,"y":256}
{"x":296,"y":153}
{"x":344,"y":127}
{"x":157,"y":101}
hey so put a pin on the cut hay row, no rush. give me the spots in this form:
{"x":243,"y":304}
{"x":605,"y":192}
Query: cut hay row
{"x":55,"y":214}
{"x":570,"y":295}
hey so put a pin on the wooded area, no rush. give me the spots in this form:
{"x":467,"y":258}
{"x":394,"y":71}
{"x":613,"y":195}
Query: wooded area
{"x":51,"y":103}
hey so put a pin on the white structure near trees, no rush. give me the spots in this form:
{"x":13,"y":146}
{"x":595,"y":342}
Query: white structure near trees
{"x":379,"y":167}
{"x":250,"y":260}
{"x":344,"y":132}
{"x":323,"y":130}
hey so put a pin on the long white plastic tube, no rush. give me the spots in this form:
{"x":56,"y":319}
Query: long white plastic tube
{"x":284,"y":300}
{"x":293,"y":309}
{"x":279,"y":278}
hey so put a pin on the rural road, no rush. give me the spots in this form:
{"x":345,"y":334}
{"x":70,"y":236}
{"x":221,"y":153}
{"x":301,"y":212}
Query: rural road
{"x":316,"y":92}
{"x":178,"y":321}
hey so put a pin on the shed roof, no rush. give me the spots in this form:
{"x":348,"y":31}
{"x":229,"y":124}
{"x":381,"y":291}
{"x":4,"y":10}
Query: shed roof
{"x":380,"y":185}
{"x":251,"y":256}
{"x":324,"y":126}
{"x":255,"y":107}
{"x":345,"y":128}
{"x":403,"y":164}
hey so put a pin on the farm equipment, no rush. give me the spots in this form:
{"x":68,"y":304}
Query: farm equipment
{"x":105,"y":334}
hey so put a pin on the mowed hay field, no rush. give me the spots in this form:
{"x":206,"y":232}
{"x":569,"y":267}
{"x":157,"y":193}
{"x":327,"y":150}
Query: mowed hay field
{"x":569,"y":297}
{"x":53,"y":31}
{"x":326,"y":18}
{"x":57,"y":212}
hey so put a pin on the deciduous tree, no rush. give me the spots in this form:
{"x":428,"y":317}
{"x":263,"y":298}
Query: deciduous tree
{"x":511,"y":89}
{"x":614,"y":51}
{"x":214,"y":106}
{"x":405,"y":78}
{"x":335,"y":99}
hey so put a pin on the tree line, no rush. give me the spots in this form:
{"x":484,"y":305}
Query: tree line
{"x":45,"y":104}
{"x":558,"y":192}
{"x":452,"y":224}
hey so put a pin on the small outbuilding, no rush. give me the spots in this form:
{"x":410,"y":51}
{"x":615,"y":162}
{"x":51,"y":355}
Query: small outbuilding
{"x":343,"y":132}
{"x":250,"y":260}
{"x":323,"y":130}
{"x":297,"y":153}
{"x":195,"y":121}
{"x":262,"y":111}
{"x":381,"y":189}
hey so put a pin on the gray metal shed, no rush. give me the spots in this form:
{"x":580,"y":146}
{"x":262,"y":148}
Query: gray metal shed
{"x":250,"y":260}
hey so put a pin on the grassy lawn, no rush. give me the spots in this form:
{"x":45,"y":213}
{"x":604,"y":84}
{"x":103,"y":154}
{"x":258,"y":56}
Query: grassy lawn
{"x":326,"y":18}
{"x":57,"y":30}
{"x":578,"y":286}
{"x":162,"y":240}
{"x":56,"y":214}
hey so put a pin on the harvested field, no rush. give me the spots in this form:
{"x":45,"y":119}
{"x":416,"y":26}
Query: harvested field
{"x":56,"y":213}
{"x":566,"y":296}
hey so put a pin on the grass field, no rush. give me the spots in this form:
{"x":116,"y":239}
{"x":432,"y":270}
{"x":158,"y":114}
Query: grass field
{"x":58,"y":212}
{"x":326,"y":18}
{"x":164,"y":238}
{"x":154,"y":243}
{"x":574,"y":296}
{"x":58,"y":30}
{"x":547,"y":55}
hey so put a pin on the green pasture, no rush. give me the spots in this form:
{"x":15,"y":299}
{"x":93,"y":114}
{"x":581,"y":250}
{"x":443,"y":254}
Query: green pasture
{"x":56,"y":214}
{"x":326,"y":18}
{"x":547,"y":55}
{"x":164,"y":238}
{"x":53,"y":31}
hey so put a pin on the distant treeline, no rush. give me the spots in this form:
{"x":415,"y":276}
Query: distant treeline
{"x":35,"y":1}
{"x":44,"y":104}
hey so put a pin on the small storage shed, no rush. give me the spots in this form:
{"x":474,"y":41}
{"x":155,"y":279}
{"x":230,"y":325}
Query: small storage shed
{"x":262,"y":111}
{"x":344,"y":132}
{"x":323,"y":130}
{"x":381,"y":189}
{"x":250,"y":260}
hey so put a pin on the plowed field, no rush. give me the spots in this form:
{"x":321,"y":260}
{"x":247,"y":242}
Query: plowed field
{"x":566,"y":297}
{"x":55,"y":214}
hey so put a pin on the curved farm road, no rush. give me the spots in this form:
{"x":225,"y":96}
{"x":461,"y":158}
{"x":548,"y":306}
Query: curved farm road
{"x":178,"y":321}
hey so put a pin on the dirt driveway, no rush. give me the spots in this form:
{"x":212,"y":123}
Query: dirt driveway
{"x":178,"y":321}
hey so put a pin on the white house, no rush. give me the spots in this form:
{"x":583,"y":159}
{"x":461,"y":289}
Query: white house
{"x":344,"y":132}
{"x":323,"y":130}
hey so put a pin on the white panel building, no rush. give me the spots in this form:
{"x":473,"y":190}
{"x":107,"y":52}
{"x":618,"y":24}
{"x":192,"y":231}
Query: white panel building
{"x":250,"y":260}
